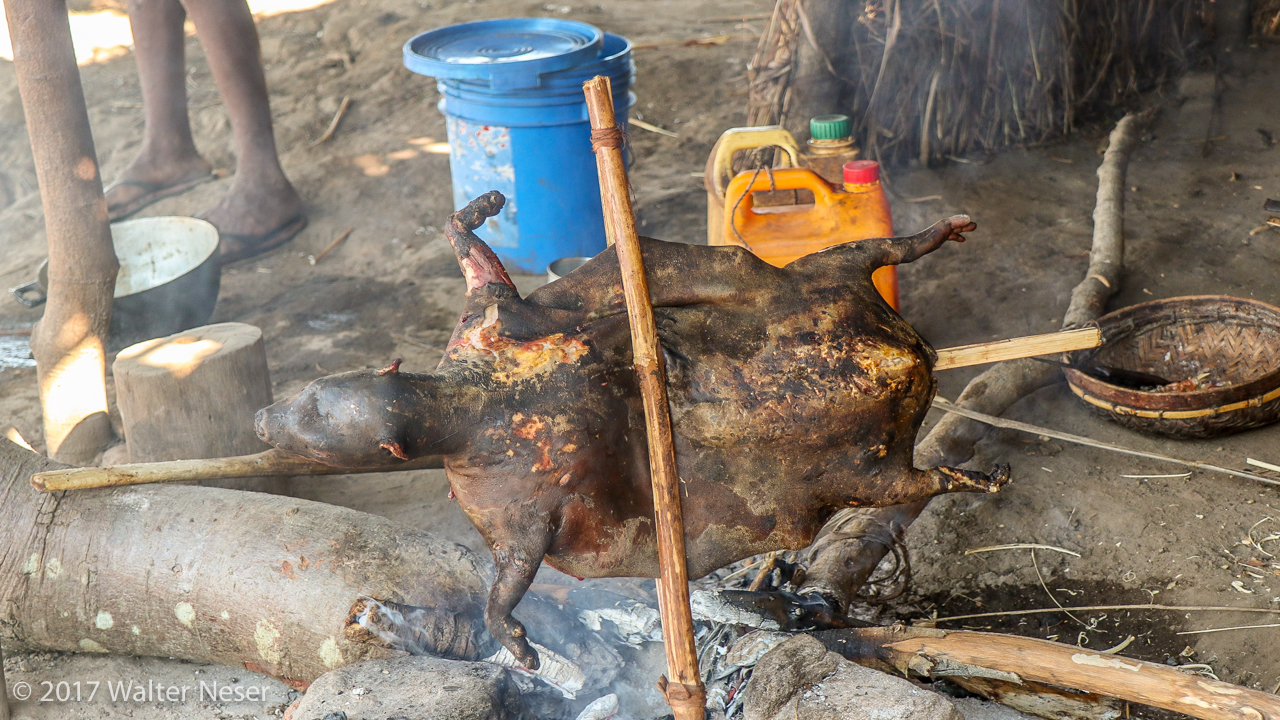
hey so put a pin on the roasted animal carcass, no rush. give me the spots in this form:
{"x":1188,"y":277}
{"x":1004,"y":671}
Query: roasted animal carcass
{"x":794,"y":392}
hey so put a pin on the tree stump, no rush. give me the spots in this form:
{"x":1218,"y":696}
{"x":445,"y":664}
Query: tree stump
{"x":194,"y":394}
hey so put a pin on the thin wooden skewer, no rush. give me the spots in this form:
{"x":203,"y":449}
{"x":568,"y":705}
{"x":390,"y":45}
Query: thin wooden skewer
{"x":268,"y":463}
{"x":1019,"y":347}
{"x":1090,"y":442}
{"x":685,"y":691}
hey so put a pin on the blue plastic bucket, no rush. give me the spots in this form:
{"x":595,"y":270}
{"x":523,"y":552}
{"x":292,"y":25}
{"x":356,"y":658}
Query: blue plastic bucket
{"x":519,"y":125}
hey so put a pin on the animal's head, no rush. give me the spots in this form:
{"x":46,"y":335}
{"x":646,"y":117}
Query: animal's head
{"x":352,"y":419}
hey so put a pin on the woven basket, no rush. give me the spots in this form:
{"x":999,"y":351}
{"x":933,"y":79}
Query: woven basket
{"x":1236,"y":340}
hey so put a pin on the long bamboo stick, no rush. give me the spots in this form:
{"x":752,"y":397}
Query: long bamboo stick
{"x":685,"y":691}
{"x":268,"y":463}
{"x":1007,"y":424}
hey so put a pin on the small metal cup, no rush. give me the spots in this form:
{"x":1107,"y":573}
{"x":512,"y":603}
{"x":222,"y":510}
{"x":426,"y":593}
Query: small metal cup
{"x":564,"y":266}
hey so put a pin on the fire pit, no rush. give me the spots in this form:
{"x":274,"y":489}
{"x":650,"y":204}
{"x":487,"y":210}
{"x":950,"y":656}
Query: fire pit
{"x":1218,"y":353}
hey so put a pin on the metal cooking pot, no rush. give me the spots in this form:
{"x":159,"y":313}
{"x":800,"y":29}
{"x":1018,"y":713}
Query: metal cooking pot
{"x":168,"y":281}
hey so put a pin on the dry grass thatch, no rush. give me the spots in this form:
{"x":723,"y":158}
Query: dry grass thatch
{"x":1266,"y":18}
{"x":928,"y":79}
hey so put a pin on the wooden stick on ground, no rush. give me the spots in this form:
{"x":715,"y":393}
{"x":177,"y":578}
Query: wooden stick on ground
{"x":333,"y":124}
{"x":946,"y":653}
{"x":685,"y":691}
{"x":856,"y":540}
{"x":269,"y":463}
{"x":1090,"y":442}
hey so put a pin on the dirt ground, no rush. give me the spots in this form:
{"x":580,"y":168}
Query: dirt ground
{"x":393,"y":286}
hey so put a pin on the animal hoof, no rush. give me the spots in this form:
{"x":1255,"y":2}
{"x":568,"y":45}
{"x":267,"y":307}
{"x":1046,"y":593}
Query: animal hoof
{"x":999,"y":477}
{"x":525,"y":653}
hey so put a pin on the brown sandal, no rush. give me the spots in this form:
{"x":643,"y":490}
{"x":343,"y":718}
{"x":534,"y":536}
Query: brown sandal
{"x":151,"y":192}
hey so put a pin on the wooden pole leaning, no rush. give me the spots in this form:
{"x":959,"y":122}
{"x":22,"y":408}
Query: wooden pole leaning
{"x":69,"y":343}
{"x":684,"y":691}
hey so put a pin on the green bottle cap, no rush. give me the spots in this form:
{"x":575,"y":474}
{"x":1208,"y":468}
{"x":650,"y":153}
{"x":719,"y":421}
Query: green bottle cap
{"x":830,"y":127}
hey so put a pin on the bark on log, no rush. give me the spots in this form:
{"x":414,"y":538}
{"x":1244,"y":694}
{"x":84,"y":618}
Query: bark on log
{"x":4,"y":691}
{"x":69,"y":343}
{"x":856,"y":540}
{"x":960,"y":653}
{"x":214,"y":575}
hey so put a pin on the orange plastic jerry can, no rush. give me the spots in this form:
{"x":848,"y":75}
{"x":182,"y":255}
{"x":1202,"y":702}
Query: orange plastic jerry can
{"x":781,"y":234}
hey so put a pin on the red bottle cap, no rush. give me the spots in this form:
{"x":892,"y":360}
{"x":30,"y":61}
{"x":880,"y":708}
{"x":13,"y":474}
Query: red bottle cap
{"x":861,"y":172}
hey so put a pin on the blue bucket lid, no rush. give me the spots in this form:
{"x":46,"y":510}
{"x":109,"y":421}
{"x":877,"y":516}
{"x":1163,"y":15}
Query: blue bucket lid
{"x":508,"y":53}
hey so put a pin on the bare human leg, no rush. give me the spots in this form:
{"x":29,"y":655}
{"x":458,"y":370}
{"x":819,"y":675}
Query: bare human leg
{"x":168,"y":161}
{"x":261,"y":208}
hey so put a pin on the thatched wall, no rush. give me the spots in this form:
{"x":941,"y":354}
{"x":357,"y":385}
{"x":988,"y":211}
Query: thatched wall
{"x":927,"y":79}
{"x":1266,"y":19}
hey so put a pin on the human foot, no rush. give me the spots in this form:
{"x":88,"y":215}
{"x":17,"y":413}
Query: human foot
{"x":255,"y":217}
{"x":150,"y":178}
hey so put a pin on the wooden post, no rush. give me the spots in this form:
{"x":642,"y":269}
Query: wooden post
{"x":193,"y":394}
{"x":685,"y":691}
{"x":69,"y":343}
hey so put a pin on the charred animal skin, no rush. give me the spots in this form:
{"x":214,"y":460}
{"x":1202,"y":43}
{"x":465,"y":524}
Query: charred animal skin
{"x":794,"y":392}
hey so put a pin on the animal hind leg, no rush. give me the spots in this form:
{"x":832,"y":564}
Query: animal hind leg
{"x":915,"y":484}
{"x":879,"y":252}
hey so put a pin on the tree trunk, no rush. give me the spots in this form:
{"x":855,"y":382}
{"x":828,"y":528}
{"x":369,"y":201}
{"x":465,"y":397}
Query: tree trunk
{"x":194,"y":394}
{"x":69,"y":343}
{"x":216,"y":576}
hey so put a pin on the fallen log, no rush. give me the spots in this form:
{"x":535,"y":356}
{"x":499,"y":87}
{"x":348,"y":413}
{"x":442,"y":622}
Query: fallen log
{"x":854,"y":541}
{"x":216,"y":576}
{"x":961,"y":655}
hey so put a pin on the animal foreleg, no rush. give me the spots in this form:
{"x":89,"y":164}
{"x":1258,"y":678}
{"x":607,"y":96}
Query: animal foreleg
{"x":516,"y":561}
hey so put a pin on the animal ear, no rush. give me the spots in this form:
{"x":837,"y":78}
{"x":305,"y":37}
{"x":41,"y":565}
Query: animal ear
{"x":391,"y":369}
{"x":486,"y":277}
{"x":395,"y":449}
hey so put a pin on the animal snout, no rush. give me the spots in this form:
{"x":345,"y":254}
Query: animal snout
{"x":260,"y":425}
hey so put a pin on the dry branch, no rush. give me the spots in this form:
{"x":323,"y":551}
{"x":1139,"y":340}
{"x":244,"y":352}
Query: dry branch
{"x":963,"y":654}
{"x":213,"y":575}
{"x":841,"y":561}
